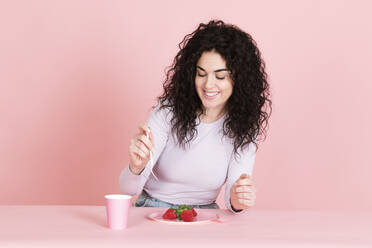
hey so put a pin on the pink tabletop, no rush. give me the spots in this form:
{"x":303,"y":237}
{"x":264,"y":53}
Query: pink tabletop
{"x":85,"y":226}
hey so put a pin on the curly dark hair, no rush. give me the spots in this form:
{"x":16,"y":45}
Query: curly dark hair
{"x":247,"y":118}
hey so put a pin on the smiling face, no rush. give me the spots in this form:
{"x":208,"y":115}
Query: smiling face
{"x":213,"y":83}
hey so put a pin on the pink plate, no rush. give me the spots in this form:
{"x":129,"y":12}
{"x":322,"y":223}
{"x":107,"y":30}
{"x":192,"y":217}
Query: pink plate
{"x":201,"y":218}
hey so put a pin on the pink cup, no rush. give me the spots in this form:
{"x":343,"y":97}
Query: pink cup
{"x":117,"y":209}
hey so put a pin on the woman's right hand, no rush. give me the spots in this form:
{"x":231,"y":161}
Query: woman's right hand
{"x":139,"y":149}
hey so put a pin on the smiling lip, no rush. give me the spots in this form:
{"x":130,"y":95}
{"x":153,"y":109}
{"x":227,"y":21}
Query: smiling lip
{"x":211,"y":95}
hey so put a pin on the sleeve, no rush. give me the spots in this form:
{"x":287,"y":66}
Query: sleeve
{"x":239,"y":165}
{"x":159,"y":123}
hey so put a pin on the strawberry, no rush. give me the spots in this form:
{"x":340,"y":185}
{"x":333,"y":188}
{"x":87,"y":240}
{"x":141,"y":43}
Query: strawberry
{"x":180,"y":209}
{"x":194,"y":212}
{"x":170,"y":214}
{"x":187,"y":215}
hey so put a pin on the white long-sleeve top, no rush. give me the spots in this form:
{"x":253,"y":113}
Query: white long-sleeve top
{"x":193,"y":175}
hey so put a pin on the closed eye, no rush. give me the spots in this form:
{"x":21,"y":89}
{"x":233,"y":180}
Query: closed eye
{"x":219,"y":78}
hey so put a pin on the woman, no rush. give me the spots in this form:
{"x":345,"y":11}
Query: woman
{"x":203,"y":132}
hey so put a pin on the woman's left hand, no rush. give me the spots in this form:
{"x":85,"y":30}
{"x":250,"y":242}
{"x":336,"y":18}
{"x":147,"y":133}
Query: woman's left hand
{"x":243,"y":193}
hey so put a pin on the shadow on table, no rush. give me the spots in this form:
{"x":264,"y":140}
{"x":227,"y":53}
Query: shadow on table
{"x":99,"y":218}
{"x":96,"y":218}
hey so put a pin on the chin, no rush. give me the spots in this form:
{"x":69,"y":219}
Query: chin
{"x":210,"y":106}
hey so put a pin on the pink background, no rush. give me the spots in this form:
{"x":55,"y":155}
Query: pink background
{"x":77,"y":77}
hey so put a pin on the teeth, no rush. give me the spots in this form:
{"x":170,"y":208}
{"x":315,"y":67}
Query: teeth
{"x":211,"y":94}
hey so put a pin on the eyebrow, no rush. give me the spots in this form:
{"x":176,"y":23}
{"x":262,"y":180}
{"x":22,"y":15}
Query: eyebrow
{"x":215,"y":70}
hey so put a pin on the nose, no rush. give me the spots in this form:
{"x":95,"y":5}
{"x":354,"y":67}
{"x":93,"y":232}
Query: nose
{"x":209,"y":84}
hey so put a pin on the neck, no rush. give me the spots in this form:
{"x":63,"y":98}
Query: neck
{"x":212,"y":115}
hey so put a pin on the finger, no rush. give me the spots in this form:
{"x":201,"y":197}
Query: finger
{"x":132,"y":141}
{"x":151,"y":137}
{"x":244,"y":176}
{"x":145,"y":140}
{"x":245,"y":181}
{"x":140,"y":145}
{"x":132,"y":146}
{"x":246,"y":195}
{"x":133,"y":153}
{"x":247,"y":203}
{"x":144,"y":128}
{"x":139,"y":152}
{"x":241,"y":189}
